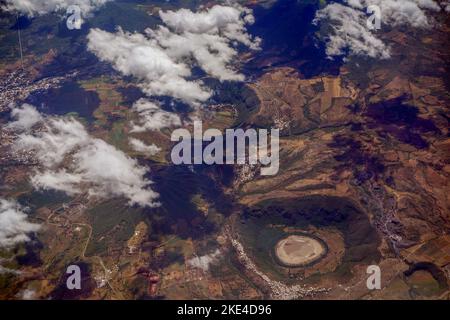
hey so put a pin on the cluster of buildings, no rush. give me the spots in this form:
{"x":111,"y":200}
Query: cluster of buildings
{"x":18,"y":84}
{"x":279,"y":290}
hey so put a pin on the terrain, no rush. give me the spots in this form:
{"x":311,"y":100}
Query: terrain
{"x":364,"y":169}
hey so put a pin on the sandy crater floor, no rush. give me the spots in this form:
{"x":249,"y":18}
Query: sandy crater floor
{"x":296,"y":250}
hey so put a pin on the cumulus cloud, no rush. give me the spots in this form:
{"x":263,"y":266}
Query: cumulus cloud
{"x":41,"y":7}
{"x":400,"y":12}
{"x":25,"y":117}
{"x":139,"y":146}
{"x":134,"y":54}
{"x":57,"y":180}
{"x":58,"y":137}
{"x":14,"y":225}
{"x":350,"y":32}
{"x":203,"y":262}
{"x":152,"y":117}
{"x":162,"y":58}
{"x":226,"y":18}
{"x":72,"y":161}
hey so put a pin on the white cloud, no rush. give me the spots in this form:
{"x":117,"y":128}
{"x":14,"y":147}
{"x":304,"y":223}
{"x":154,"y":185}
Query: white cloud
{"x":58,"y":137}
{"x":152,"y":117}
{"x":400,"y":12}
{"x":72,"y":161}
{"x":162,"y":58}
{"x":350,"y":32}
{"x":136,"y":55}
{"x":57,"y":180}
{"x":112,"y":173}
{"x":41,"y":7}
{"x":228,"y":21}
{"x":349,"y":24}
{"x":203,"y":262}
{"x":140,"y":146}
{"x":25,"y":117}
{"x":14,"y":225}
